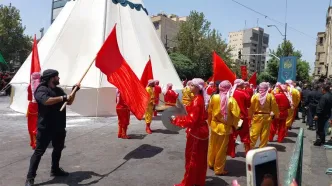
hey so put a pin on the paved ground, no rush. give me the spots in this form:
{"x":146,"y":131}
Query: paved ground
{"x":94,"y":156}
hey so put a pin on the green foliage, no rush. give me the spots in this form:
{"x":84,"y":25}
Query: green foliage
{"x":287,"y":49}
{"x":14,"y":45}
{"x":266,"y":77}
{"x":197,"y":41}
{"x":183,"y":65}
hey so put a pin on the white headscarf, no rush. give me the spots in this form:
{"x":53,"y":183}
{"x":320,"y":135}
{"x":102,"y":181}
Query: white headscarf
{"x":198,"y":82}
{"x":237,"y":82}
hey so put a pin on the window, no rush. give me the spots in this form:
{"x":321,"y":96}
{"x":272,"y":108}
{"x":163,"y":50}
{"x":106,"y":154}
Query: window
{"x":156,"y":25}
{"x":59,"y":3}
{"x":321,"y":40}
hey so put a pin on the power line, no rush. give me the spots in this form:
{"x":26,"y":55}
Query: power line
{"x":274,"y":20}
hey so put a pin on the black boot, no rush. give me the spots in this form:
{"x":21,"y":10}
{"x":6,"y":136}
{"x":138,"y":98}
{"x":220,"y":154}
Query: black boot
{"x":59,"y":172}
{"x":30,"y":182}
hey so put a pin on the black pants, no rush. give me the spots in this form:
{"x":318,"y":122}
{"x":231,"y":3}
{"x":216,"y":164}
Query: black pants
{"x":321,"y":129}
{"x":43,"y":140}
{"x":311,"y":115}
{"x":304,"y":114}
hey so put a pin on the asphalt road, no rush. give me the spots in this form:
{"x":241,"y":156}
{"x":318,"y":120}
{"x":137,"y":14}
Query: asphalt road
{"x":95,"y":156}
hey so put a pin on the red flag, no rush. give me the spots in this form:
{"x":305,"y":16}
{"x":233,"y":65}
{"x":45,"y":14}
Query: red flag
{"x":210,"y":79}
{"x":147,"y":73}
{"x":253,"y":79}
{"x":244,"y":72}
{"x":35,"y":66}
{"x":110,"y":61}
{"x":221,"y":71}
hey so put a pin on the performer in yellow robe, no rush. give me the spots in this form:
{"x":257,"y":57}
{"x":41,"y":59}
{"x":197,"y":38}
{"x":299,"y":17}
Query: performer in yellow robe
{"x":296,"y":98}
{"x":263,"y":104}
{"x":187,"y":95}
{"x":150,"y":108}
{"x":223,"y":114}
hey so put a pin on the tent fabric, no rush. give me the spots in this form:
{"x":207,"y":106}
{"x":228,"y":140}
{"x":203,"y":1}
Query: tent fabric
{"x":72,"y":42}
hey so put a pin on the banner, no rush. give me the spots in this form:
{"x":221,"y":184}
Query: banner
{"x":287,"y":69}
{"x":244,"y":72}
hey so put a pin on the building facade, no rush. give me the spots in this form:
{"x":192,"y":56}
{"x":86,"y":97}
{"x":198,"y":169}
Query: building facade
{"x":57,"y":6}
{"x":249,"y":41}
{"x":167,"y":27}
{"x":323,"y":65}
{"x":320,"y":61}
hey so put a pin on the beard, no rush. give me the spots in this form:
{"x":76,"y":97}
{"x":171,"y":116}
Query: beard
{"x":56,"y":82}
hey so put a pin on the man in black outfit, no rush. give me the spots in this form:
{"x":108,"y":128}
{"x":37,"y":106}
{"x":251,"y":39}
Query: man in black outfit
{"x":312,"y":101}
{"x":305,"y":94}
{"x":51,"y":123}
{"x":323,"y":114}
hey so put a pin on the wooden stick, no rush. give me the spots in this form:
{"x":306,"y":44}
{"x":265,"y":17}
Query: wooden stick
{"x":79,"y":82}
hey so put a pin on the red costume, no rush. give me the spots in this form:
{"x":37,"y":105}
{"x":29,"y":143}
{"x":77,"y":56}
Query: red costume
{"x":170,"y":96}
{"x":210,"y":89}
{"x":197,"y":142}
{"x":279,"y":125}
{"x":250,"y":91}
{"x":123,"y":113}
{"x":157,"y":92}
{"x":243,"y":100}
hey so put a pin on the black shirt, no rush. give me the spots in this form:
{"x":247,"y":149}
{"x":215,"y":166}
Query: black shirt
{"x":50,"y":117}
{"x":305,"y":94}
{"x":324,"y":106}
{"x":314,"y":97}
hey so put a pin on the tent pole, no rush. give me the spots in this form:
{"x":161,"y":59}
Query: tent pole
{"x":79,"y":82}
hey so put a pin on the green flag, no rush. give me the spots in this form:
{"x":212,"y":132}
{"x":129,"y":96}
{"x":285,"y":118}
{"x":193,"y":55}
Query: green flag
{"x":2,"y":60}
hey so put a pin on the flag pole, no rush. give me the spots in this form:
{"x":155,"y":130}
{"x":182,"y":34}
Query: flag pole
{"x":79,"y":82}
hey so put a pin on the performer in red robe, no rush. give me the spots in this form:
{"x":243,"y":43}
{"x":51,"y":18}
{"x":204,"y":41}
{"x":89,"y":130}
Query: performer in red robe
{"x":248,"y":89}
{"x":197,"y":137}
{"x":32,"y":113}
{"x":123,"y":113}
{"x":170,"y":96}
{"x":157,"y":92}
{"x":210,"y":88}
{"x":279,"y":125}
{"x":243,"y":100}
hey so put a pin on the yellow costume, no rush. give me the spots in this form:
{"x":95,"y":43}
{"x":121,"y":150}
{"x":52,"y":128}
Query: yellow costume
{"x":187,"y":96}
{"x":296,"y":98}
{"x":261,"y":119}
{"x":149,"y":110}
{"x":220,"y":131}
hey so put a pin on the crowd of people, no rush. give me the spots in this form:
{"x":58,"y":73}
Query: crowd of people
{"x":5,"y":78}
{"x":217,"y":113}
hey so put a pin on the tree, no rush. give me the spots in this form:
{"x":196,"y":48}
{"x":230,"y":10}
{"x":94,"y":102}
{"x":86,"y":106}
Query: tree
{"x":197,"y":41}
{"x":266,"y":77}
{"x":287,"y":49}
{"x":14,"y":44}
{"x":183,"y":65}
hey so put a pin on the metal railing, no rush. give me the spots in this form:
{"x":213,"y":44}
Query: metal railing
{"x":295,"y":164}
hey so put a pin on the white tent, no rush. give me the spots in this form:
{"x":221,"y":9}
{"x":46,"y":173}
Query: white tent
{"x":74,"y":39}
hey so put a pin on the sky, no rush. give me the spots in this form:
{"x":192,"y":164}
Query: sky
{"x":306,"y":16}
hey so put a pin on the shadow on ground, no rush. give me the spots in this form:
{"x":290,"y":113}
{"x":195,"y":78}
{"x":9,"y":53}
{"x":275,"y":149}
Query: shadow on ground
{"x":287,"y":140}
{"x":279,"y":148}
{"x":236,"y":168}
{"x":163,"y":131}
{"x":75,"y":178}
{"x":143,"y":151}
{"x":137,"y":136}
{"x":215,"y":181}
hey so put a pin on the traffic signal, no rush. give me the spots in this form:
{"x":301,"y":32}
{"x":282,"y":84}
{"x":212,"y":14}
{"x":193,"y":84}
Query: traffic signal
{"x":239,"y":55}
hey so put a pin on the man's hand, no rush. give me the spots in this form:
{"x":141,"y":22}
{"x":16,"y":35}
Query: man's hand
{"x":78,"y":87}
{"x":70,"y":98}
{"x":316,"y":118}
